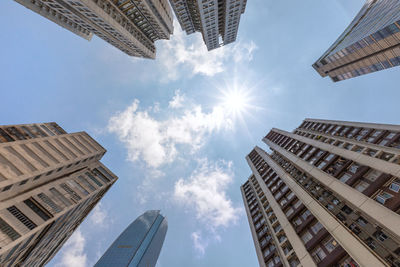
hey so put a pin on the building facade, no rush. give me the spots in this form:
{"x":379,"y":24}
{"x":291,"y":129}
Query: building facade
{"x":130,"y":25}
{"x":217,"y":20}
{"x":370,"y":43}
{"x":327,"y":195}
{"x":139,"y":245}
{"x":49,"y":181}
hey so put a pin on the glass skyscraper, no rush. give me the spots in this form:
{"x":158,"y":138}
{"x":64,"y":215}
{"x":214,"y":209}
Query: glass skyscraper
{"x":370,"y":43}
{"x":139,"y":245}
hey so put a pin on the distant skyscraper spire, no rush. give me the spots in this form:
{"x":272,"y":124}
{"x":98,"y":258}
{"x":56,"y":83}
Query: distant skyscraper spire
{"x":139,"y":245}
{"x":370,"y":43}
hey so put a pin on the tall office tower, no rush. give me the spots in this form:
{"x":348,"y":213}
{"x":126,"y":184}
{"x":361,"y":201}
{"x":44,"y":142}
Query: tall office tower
{"x":370,"y":43}
{"x":130,"y":25}
{"x":139,"y":245}
{"x":327,"y":195}
{"x":217,"y":20}
{"x":49,"y":181}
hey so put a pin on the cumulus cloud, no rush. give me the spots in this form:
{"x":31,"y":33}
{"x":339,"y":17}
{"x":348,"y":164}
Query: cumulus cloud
{"x":177,"y":100}
{"x":199,"y":244}
{"x":155,"y":140}
{"x":98,"y":215}
{"x":205,"y":191}
{"x":73,"y":253}
{"x":188,"y":55}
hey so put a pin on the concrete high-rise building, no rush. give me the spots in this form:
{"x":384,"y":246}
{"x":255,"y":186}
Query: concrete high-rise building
{"x":49,"y":181}
{"x":130,"y":25}
{"x":217,"y":20}
{"x":327,"y":195}
{"x":139,"y":245}
{"x":370,"y":43}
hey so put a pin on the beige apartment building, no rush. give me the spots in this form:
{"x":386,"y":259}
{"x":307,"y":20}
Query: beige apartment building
{"x":217,"y":20}
{"x":130,"y":25}
{"x":49,"y":181}
{"x":328,"y":194}
{"x":369,"y":44}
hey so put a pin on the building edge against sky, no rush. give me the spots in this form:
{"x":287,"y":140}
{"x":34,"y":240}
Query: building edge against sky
{"x":217,"y":20}
{"x":139,"y":244}
{"x":131,"y":26}
{"x":327,"y":194}
{"x":369,"y":44}
{"x":50,"y":180}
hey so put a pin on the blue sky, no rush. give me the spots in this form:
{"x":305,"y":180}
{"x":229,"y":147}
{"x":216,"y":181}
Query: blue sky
{"x":171,"y":137}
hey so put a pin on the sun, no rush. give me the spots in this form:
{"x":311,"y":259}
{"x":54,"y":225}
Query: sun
{"x":235,"y":101}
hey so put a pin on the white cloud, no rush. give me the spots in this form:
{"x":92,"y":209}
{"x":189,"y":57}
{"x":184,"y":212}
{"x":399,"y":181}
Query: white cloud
{"x":188,"y":55}
{"x":98,"y":215}
{"x":177,"y":100}
{"x":155,"y":140}
{"x":205,"y":190}
{"x":199,"y":244}
{"x":73,"y":251}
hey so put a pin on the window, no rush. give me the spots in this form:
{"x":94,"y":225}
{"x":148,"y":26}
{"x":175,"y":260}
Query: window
{"x":305,"y":214}
{"x":372,"y":175}
{"x":86,"y":183}
{"x":40,"y":211}
{"x":318,"y":254}
{"x":21,"y":217}
{"x":8,"y":230}
{"x":71,"y":192}
{"x":289,"y":212}
{"x":49,"y":202}
{"x":316,"y":227}
{"x":361,"y":221}
{"x":306,"y":236}
{"x":354,"y":168}
{"x":380,"y":236}
{"x":297,"y":204}
{"x":383,"y":197}
{"x":91,"y":177}
{"x":361,"y":186}
{"x":370,"y":152}
{"x":346,"y":209}
{"x":385,"y":156}
{"x":345,"y":177}
{"x":60,"y":197}
{"x":357,"y":148}
{"x":8,"y":187}
{"x":330,"y":244}
{"x":395,"y":187}
{"x":24,"y":182}
{"x":297,"y":221}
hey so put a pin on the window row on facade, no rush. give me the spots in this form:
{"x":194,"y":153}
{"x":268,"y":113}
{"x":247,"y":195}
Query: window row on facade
{"x":370,"y":233}
{"x":383,"y":187}
{"x":366,"y":134}
{"x":323,"y":248}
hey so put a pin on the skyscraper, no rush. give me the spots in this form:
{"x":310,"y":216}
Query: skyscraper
{"x":370,"y":43}
{"x":132,"y":26}
{"x":139,"y":245}
{"x":217,"y":20}
{"x":327,"y":195}
{"x":49,"y":181}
